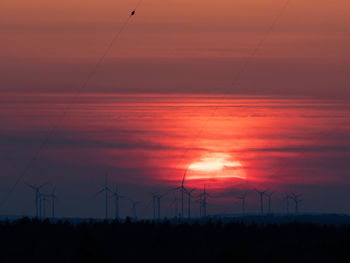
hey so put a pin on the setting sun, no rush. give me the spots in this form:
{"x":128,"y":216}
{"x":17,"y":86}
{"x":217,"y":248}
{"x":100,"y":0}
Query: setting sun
{"x":216,"y":166}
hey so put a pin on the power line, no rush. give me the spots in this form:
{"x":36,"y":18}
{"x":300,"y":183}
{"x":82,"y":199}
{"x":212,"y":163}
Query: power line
{"x":237,"y":78}
{"x":75,"y":98}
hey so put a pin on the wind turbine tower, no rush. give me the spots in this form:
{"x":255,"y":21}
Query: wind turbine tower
{"x":134,"y":205}
{"x":296,"y":199}
{"x":243,"y":199}
{"x":176,"y":207}
{"x":44,"y":205}
{"x":287,"y":197}
{"x":182,"y":188}
{"x":200,"y":203}
{"x":154,"y":198}
{"x":37,"y":199}
{"x":116,"y":196}
{"x":106,"y":190}
{"x":156,"y":204}
{"x":189,"y":194}
{"x":261,"y":195}
{"x":204,"y":202}
{"x":175,"y":201}
{"x":269,"y":195}
{"x":53,"y":199}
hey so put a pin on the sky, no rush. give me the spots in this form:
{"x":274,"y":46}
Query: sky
{"x":177,"y":46}
{"x":242,"y":94}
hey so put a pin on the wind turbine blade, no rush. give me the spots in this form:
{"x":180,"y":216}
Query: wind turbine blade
{"x":101,"y":191}
{"x":31,"y":186}
{"x":42,"y":185}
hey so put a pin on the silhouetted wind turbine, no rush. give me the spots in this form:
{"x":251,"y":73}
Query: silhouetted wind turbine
{"x":182,"y":189}
{"x":117,"y":196}
{"x":156,"y":199}
{"x":44,"y":196}
{"x":269,"y":195}
{"x":242,"y":197}
{"x":175,"y":201}
{"x":204,"y":202}
{"x":189,"y":194}
{"x":287,"y":197}
{"x":37,"y":198}
{"x":203,"y":195}
{"x":106,"y":190}
{"x":53,"y":199}
{"x":134,"y":205}
{"x":200,"y":203}
{"x":295,"y":198}
{"x":261,"y":194}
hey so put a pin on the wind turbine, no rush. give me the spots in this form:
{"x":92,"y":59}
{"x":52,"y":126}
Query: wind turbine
{"x":156,"y":199}
{"x":175,"y":201}
{"x":37,"y":198}
{"x":116,"y":196}
{"x":200,"y":203}
{"x":261,"y":195}
{"x":134,"y":204}
{"x":204,"y":202}
{"x":287,"y":197}
{"x":242,"y":197}
{"x":182,"y":190}
{"x":269,"y":195}
{"x":295,"y":198}
{"x":189,"y":194}
{"x":53,"y":199}
{"x":44,"y":204}
{"x":203,"y":195}
{"x":107,"y":191}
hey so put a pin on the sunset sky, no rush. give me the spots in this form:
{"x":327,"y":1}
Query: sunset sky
{"x":176,"y":46}
{"x":246,"y":94}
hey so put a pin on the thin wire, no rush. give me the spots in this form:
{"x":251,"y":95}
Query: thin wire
{"x":138,"y":4}
{"x":43,"y":144}
{"x":135,"y":8}
{"x":237,"y":78}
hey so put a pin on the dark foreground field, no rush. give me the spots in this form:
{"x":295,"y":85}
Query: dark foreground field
{"x":28,"y":240}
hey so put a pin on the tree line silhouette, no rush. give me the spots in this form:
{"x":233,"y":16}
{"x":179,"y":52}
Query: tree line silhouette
{"x":32,"y":240}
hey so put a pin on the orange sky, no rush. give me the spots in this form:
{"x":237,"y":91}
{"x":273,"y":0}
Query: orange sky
{"x":183,"y":47}
{"x":50,"y":45}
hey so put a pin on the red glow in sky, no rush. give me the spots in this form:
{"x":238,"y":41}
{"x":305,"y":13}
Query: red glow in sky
{"x":149,"y":141}
{"x":155,"y":108}
{"x":247,"y":139}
